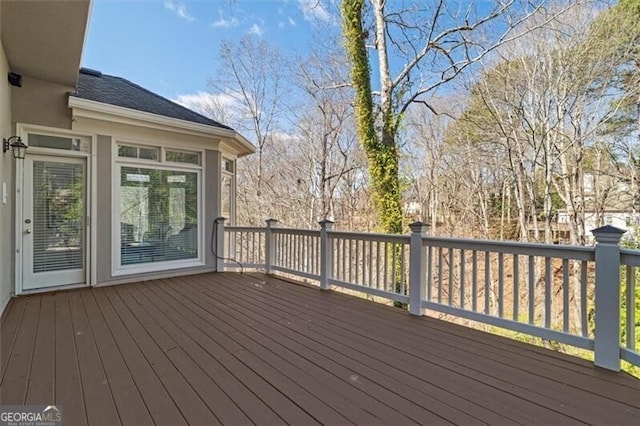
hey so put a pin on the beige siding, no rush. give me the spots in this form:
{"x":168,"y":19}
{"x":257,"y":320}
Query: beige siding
{"x":6,"y":176}
{"x":41,"y":103}
{"x":212,"y":182}
{"x":103,"y":219}
{"x":122,"y":132}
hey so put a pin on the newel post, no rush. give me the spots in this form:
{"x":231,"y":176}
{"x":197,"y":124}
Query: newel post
{"x":326,"y":253}
{"x":219,"y":243}
{"x":417,"y":268}
{"x":270,"y":246}
{"x":607,"y":302}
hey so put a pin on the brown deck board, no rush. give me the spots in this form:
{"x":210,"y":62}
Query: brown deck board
{"x":503,"y":347}
{"x":156,"y":398}
{"x":11,"y":319}
{"x":475,"y":393}
{"x":583,"y":382}
{"x":499,"y":345}
{"x":585,"y":410}
{"x":313,"y":378}
{"x":191,"y":406}
{"x":403,"y":384}
{"x":287,"y":383}
{"x":352,"y":386}
{"x":98,"y":399}
{"x":193,"y":326}
{"x":221,"y":406}
{"x":16,"y":376}
{"x":129,"y":403}
{"x":68,"y":388}
{"x":254,"y":408}
{"x":252,"y":349}
{"x":543,"y":396}
{"x":41,"y":390}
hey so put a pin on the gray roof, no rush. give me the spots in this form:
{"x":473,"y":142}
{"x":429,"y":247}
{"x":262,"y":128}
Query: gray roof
{"x":107,"y":89}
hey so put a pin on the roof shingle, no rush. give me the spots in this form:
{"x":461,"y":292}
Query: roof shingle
{"x":95,"y":86}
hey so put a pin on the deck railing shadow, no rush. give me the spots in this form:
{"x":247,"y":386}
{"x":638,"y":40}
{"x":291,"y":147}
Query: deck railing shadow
{"x":580,"y":296}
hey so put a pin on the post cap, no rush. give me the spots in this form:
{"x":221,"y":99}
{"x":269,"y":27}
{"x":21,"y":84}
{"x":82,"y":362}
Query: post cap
{"x":608,"y":234}
{"x":418,"y":227}
{"x":271,"y":221}
{"x":220,"y":219}
{"x":326,"y":223}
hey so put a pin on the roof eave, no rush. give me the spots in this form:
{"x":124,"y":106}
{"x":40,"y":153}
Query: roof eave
{"x":102,"y":111}
{"x":45,"y":39}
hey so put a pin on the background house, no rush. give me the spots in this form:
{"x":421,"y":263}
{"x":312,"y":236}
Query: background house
{"x":117,"y":182}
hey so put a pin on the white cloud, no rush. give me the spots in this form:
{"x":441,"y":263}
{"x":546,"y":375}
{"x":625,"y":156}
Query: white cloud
{"x":223,"y":22}
{"x":221,"y":106}
{"x":179,"y":9}
{"x":313,"y":10}
{"x":289,"y":22}
{"x":256,"y":30}
{"x":204,"y":102}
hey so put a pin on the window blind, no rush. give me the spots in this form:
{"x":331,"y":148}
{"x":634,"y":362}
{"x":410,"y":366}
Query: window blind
{"x":58,"y":216}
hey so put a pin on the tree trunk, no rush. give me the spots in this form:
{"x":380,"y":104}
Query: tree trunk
{"x":381,"y":152}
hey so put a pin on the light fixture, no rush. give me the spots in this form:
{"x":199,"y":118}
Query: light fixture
{"x":18,"y":148}
{"x":15,"y":79}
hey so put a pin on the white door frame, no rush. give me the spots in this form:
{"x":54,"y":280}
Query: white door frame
{"x":23,"y":131}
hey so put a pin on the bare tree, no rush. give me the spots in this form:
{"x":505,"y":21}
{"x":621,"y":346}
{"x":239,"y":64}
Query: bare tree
{"x":325,"y":121}
{"x":251,"y":73}
{"x":419,"y":48}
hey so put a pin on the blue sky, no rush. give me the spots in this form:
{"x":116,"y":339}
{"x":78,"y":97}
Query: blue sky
{"x":170,"y":46}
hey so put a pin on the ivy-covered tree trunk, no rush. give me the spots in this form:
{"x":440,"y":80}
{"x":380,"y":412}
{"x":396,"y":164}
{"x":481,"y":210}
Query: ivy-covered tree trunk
{"x":381,"y":150}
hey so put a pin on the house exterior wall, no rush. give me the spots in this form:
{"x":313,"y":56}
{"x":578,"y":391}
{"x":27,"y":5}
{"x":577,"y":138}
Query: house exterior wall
{"x":628,"y":221}
{"x":103,"y":199}
{"x":41,"y":103}
{"x":54,"y":116}
{"x":7,"y":246}
{"x":212,"y":185}
{"x":109,"y":134}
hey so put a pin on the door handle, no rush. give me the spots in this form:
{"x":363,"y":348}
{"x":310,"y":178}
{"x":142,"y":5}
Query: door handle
{"x":27,"y":231}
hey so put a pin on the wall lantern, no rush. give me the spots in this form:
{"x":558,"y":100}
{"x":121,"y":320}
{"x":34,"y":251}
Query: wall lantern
{"x":18,"y":148}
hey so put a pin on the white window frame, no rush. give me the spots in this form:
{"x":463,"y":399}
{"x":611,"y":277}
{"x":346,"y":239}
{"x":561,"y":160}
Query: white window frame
{"x":231,"y":220}
{"x":117,"y":269}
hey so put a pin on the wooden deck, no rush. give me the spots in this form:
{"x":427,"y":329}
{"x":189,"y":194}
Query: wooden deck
{"x":250,"y":349}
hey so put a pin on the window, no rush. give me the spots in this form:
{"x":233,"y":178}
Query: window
{"x":140,"y":152}
{"x":227,"y":165}
{"x":158,"y":215}
{"x":157,"y":218}
{"x":59,"y":142}
{"x":227,"y":209}
{"x":185,"y":157}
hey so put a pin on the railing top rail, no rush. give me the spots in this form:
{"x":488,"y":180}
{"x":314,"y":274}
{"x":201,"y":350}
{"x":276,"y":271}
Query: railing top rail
{"x":630,"y":257}
{"x":535,"y":249}
{"x":393,"y":238}
{"x":245,"y":228}
{"x":294,"y":231}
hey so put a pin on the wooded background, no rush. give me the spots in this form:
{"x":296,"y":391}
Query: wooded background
{"x":502,"y":120}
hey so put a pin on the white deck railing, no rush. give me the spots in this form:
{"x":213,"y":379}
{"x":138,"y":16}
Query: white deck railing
{"x":580,"y":296}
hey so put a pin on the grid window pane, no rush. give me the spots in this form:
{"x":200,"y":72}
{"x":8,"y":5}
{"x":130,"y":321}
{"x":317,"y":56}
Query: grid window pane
{"x":144,"y":153}
{"x":183,"y":157}
{"x":158,"y":215}
{"x":59,"y":142}
{"x":148,"y":153}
